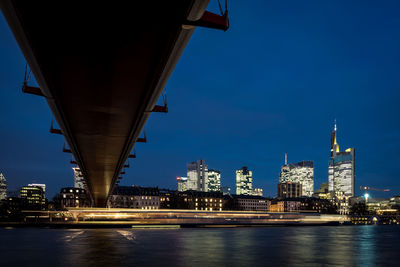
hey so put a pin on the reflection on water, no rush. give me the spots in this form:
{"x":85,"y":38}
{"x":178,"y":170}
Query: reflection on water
{"x":367,"y":247}
{"x":269,"y":246}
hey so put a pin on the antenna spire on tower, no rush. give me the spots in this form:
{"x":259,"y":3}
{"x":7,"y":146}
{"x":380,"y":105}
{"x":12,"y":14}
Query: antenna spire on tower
{"x":285,"y":158}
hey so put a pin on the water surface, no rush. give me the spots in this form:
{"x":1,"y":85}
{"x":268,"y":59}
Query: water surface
{"x":267,"y":246}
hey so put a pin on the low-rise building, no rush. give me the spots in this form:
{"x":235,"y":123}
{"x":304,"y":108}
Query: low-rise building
{"x":74,"y":197}
{"x":313,"y":204}
{"x":197,"y":200}
{"x":14,"y":205}
{"x":191,"y":199}
{"x":146,"y":198}
{"x":291,"y":206}
{"x":167,"y":198}
{"x":247,"y":203}
{"x":277,"y":206}
{"x":285,"y":206}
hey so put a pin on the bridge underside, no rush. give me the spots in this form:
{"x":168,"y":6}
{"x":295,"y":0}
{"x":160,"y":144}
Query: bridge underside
{"x":101,"y":67}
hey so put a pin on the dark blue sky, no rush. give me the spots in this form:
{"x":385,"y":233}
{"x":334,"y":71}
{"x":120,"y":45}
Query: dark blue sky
{"x":273,"y":83}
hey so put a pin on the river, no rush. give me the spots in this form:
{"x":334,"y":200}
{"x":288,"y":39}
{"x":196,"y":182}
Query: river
{"x":244,"y":246}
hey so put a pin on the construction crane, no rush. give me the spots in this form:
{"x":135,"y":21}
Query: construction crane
{"x":367,"y":188}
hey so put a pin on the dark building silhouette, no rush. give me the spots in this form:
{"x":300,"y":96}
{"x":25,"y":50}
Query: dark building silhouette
{"x":246,"y":203}
{"x":289,"y":190}
{"x":136,"y":197}
{"x":72,"y":197}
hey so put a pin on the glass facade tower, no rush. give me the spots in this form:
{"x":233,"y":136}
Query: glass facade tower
{"x":214,"y":181}
{"x":197,"y":174}
{"x":78,"y":178}
{"x":244,"y":181}
{"x":302,"y":173}
{"x":3,"y":187}
{"x":341,"y":173}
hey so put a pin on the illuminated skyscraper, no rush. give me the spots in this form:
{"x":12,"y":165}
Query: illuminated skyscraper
{"x":197,"y":174}
{"x":182,"y":183}
{"x":244,"y":181}
{"x":341,"y":173}
{"x":78,"y":179}
{"x":302,"y":173}
{"x":3,"y":187}
{"x":214,"y":181}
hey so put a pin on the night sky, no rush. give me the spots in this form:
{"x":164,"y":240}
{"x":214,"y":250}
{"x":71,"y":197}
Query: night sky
{"x":273,"y":83}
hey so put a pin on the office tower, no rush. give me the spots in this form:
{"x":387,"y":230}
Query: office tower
{"x":42,"y":186}
{"x":244,"y":181}
{"x":214,"y":181}
{"x":182,"y":183}
{"x":289,"y":190}
{"x":33,"y":196}
{"x":197,"y":174}
{"x":3,"y":187}
{"x":302,"y":173}
{"x":341,"y":173}
{"x":78,"y":178}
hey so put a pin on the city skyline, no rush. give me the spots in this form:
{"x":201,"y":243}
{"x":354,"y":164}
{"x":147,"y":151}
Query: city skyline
{"x":334,"y":149}
{"x":198,"y":132}
{"x":281,"y":96}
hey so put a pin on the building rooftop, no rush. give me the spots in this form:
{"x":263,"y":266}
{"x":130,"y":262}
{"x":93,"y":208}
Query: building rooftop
{"x":247,"y":197}
{"x":136,"y":190}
